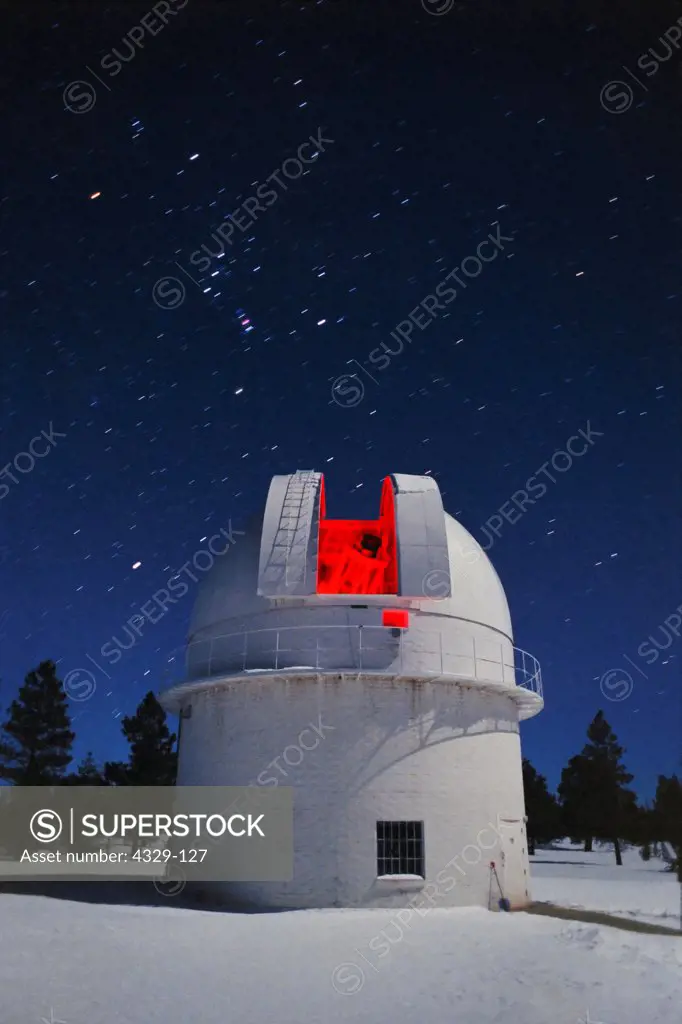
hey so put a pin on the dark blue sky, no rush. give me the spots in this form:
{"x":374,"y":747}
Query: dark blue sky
{"x":445,"y":128}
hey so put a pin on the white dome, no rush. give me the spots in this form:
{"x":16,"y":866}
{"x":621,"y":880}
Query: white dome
{"x":370,"y":665}
{"x":299,"y":591}
{"x":228,"y":594}
{"x":229,"y":591}
{"x":477,"y":591}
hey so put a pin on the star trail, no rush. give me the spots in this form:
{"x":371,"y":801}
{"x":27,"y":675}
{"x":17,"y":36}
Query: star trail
{"x":228,"y":232}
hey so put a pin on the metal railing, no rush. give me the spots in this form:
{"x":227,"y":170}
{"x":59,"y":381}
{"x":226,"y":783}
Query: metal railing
{"x":365,"y":649}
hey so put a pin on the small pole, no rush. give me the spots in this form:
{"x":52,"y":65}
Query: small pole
{"x":503,"y":902}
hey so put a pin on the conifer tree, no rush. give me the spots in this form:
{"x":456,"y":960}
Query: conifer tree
{"x":666,"y":817}
{"x":542,"y":809}
{"x":36,"y":742}
{"x":595,"y":801}
{"x":153,"y":758}
{"x":578,"y":800}
{"x":87,"y":773}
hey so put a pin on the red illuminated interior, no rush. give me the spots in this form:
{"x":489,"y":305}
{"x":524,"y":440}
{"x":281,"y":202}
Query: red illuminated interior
{"x":358,"y":556}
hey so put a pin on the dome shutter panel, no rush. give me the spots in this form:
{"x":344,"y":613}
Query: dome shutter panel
{"x":423,"y":561}
{"x":288,"y":551}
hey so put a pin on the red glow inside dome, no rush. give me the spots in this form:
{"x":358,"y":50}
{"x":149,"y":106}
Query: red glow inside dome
{"x":358,"y":556}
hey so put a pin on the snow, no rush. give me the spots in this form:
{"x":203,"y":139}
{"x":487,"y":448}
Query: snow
{"x":87,"y":963}
{"x":401,"y":878}
{"x":639,"y":890}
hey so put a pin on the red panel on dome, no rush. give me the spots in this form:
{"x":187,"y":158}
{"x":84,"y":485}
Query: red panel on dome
{"x":358,"y":556}
{"x":396,"y":618}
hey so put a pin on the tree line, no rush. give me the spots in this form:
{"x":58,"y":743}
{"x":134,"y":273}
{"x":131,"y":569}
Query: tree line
{"x":36,"y":741}
{"x":593,"y":802}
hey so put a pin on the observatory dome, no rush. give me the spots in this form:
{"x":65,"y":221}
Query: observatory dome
{"x":228,"y":595}
{"x":387,"y":644}
{"x":409,"y":594}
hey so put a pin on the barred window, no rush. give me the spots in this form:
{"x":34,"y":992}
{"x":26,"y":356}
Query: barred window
{"x":400,"y":848}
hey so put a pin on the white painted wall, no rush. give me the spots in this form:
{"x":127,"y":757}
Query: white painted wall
{"x":382,"y":750}
{"x":387,"y":747}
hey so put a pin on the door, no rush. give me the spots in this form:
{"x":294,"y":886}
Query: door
{"x":514,"y":858}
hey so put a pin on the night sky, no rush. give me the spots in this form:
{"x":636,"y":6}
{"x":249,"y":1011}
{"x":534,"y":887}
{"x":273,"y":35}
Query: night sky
{"x":168,"y":423}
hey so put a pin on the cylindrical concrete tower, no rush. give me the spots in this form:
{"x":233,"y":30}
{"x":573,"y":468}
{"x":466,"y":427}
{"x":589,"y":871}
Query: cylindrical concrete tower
{"x":370,"y":665}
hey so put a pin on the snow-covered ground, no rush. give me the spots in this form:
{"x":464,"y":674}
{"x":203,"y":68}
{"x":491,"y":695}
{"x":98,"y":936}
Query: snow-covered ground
{"x":82,"y":963}
{"x":639,"y":890}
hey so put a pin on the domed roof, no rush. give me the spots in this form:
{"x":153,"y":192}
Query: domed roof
{"x":477,"y":591}
{"x":229,"y":591}
{"x":228,"y":594}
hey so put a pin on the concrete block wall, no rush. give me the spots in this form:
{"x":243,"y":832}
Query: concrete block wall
{"x":361,"y":750}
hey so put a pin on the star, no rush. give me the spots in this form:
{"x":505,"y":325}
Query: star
{"x":150,"y":448}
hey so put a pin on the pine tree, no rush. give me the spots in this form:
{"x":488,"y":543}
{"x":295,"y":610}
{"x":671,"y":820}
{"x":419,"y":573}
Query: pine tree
{"x":35,"y":749}
{"x":579,"y":804}
{"x":153,"y":758}
{"x":642,"y":832}
{"x":87,"y":773}
{"x":595,"y":801}
{"x":667,"y":817}
{"x":542,"y":809}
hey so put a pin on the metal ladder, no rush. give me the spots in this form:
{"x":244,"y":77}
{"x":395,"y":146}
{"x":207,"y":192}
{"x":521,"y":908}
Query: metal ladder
{"x":288,"y":557}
